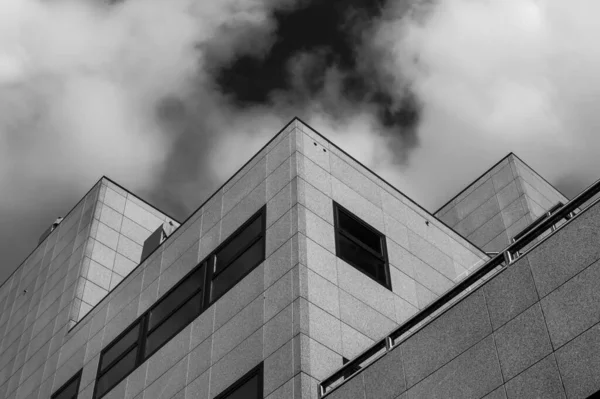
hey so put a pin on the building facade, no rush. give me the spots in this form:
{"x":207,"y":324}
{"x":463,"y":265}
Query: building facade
{"x":299,"y":263}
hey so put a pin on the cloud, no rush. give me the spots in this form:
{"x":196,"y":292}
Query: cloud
{"x":90,"y":88}
{"x":496,"y":76}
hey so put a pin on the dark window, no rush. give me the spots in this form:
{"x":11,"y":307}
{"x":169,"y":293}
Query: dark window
{"x":69,"y":389}
{"x":174,"y":323}
{"x":249,"y":386}
{"x":121,"y":346}
{"x":118,"y":359}
{"x":178,"y":296}
{"x":215,"y":275}
{"x":361,"y":246}
{"x":117,"y":372}
{"x":242,"y":253}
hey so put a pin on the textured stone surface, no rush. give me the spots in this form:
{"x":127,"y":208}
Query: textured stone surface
{"x":471,"y":375}
{"x":579,"y":362}
{"x":363,"y":318}
{"x":573,"y":307}
{"x":510,"y":292}
{"x":569,"y":251}
{"x":445,"y":338}
{"x":352,"y":389}
{"x":499,"y":393}
{"x":522,"y":342}
{"x":385,"y":379}
{"x":542,"y":380}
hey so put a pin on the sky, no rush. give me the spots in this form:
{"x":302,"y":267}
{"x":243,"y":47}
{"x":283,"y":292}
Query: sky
{"x":170,"y":97}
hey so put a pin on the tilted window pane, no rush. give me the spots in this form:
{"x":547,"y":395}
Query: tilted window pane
{"x":248,"y":390}
{"x":238,"y":243}
{"x":365,"y":235}
{"x":361,"y":258}
{"x":120,"y":347}
{"x":192,"y":283}
{"x":174,"y":323}
{"x":69,"y":391}
{"x":114,"y":374}
{"x":238,"y":268}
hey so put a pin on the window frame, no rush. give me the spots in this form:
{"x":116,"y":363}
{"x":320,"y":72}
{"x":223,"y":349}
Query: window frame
{"x":212,"y":258}
{"x":338,"y":230}
{"x":60,"y":390}
{"x":209,"y":262}
{"x":258,"y":370}
{"x":138,"y":359}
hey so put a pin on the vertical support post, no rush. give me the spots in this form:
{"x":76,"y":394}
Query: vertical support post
{"x":508,"y":259}
{"x":389,"y":344}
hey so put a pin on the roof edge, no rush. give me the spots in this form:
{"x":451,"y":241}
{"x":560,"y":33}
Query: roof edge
{"x":138,"y":197}
{"x":474,"y":181}
{"x":394,"y":187}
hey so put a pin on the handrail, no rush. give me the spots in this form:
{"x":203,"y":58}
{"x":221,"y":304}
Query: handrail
{"x":538,"y":221}
{"x":503,"y":259}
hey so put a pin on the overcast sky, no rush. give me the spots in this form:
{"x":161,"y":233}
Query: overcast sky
{"x":170,"y":97}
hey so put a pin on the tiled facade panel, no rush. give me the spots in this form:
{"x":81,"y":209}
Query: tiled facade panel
{"x":120,"y":226}
{"x":258,"y":320}
{"x":35,"y":303}
{"x":346,"y":310}
{"x":524,"y":334}
{"x":496,"y":207}
{"x":299,"y":312}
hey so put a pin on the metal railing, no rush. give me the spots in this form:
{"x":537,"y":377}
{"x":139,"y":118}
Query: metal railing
{"x":544,"y":223}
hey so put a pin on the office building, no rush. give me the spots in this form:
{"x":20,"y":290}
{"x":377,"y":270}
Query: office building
{"x":306,"y":275}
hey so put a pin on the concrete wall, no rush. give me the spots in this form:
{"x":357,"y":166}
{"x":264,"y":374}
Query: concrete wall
{"x":497,"y":206}
{"x":36,"y":303}
{"x":121,"y":224}
{"x":346,"y":310}
{"x":256,"y":321}
{"x":299,"y":312}
{"x":532,"y":331}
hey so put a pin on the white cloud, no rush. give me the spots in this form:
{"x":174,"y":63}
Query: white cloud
{"x":496,"y":76}
{"x":80,"y":82}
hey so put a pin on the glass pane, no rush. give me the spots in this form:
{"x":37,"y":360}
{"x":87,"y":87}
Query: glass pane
{"x":68,"y":392}
{"x":182,"y":317}
{"x":248,"y":260}
{"x":248,"y":390}
{"x":361,"y":258}
{"x":191,"y":284}
{"x":114,"y":374}
{"x":120,"y":347}
{"x":359,"y":231}
{"x":228,"y":252}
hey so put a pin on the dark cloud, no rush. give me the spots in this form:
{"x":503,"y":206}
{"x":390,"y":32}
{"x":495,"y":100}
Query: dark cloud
{"x":324,"y":36}
{"x":314,"y":60}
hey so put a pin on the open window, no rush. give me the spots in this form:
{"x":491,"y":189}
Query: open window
{"x":361,"y":246}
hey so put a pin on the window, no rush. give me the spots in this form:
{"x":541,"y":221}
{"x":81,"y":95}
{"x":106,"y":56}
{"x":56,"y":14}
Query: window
{"x":119,"y":359}
{"x":175,"y":310}
{"x":235,"y":258}
{"x":361,"y":246}
{"x":214,"y":276}
{"x":249,"y":386}
{"x":69,"y":389}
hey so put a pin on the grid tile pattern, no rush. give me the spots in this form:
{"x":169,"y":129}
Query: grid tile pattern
{"x":119,"y":228}
{"x":533,"y":341}
{"x":497,"y":206}
{"x":426,"y":257}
